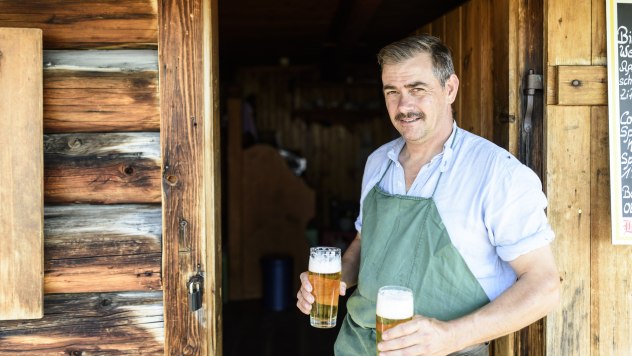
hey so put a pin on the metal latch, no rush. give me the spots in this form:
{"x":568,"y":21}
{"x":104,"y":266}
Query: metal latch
{"x":534,"y":82}
{"x":194,"y":286}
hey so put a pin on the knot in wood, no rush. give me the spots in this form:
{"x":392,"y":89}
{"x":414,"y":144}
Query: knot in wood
{"x":74,"y":142}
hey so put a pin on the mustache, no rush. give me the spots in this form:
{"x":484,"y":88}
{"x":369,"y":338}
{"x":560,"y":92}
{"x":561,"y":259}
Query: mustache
{"x":409,"y":115}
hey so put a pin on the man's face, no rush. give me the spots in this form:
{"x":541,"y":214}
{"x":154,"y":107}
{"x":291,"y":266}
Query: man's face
{"x":416,"y":102}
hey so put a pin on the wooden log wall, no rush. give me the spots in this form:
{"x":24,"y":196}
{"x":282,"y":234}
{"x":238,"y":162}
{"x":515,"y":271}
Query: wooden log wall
{"x":595,"y":315}
{"x":102,"y":179}
{"x":334,"y":125}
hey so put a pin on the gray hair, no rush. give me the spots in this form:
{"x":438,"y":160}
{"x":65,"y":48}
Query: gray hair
{"x":402,"y":50}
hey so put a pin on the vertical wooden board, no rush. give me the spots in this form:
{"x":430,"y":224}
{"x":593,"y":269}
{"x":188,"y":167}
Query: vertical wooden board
{"x":21,"y":161}
{"x":599,"y":50}
{"x":453,"y":39}
{"x":503,"y":61}
{"x":611,"y":267}
{"x":438,"y":28}
{"x":568,"y":190}
{"x":568,"y":34}
{"x":471,"y":62}
{"x":188,"y":144}
{"x":486,"y":97}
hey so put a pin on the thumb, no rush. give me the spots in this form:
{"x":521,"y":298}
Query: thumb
{"x":343,"y":288}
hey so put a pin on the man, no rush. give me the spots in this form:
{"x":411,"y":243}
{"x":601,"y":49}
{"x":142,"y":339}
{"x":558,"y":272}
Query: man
{"x":448,"y":214}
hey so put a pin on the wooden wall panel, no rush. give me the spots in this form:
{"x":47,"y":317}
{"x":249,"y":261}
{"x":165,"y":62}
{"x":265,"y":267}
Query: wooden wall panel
{"x":568,"y":32}
{"x":454,"y":40}
{"x":568,"y":187}
{"x":86,"y":24}
{"x":611,"y":268}
{"x":90,"y":324}
{"x":21,"y":199}
{"x":118,"y":245}
{"x":102,"y":168}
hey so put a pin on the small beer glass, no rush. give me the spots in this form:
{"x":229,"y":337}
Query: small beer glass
{"x":394,"y":306}
{"x":324,"y":275}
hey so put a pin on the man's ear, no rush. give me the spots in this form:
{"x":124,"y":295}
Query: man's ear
{"x":452,"y":87}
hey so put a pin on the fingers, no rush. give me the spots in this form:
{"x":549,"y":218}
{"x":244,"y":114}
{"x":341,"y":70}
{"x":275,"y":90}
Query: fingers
{"x":304,"y":297}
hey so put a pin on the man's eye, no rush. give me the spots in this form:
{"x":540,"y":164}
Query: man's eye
{"x":391,"y":92}
{"x":416,"y":90}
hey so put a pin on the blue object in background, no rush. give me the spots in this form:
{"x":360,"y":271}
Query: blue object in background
{"x":277,"y":282}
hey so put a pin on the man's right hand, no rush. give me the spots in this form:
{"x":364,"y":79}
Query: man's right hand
{"x":305,"y":296}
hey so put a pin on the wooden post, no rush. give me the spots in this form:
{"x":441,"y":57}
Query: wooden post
{"x":21,"y":164}
{"x":190,"y":180}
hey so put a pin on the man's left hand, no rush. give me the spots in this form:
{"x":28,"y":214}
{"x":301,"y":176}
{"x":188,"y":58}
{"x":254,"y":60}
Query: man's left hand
{"x":420,"y":336}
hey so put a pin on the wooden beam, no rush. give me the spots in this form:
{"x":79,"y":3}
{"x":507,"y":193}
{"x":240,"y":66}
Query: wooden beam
{"x":21,"y":198}
{"x":190,"y":151}
{"x":118,"y":245}
{"x":110,"y":168}
{"x":90,"y":324}
{"x":86,"y":24}
{"x":582,"y":85}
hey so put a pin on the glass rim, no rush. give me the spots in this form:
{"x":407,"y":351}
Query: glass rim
{"x":394,"y":287}
{"x":324,"y":248}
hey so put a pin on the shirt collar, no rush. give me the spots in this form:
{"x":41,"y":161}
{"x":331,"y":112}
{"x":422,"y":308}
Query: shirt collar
{"x":446,"y":154}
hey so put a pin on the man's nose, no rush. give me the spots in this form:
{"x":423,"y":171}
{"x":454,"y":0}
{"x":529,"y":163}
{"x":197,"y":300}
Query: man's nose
{"x":405,"y":104}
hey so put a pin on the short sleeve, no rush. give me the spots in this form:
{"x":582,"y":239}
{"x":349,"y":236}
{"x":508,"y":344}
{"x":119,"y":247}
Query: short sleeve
{"x":515,"y":213}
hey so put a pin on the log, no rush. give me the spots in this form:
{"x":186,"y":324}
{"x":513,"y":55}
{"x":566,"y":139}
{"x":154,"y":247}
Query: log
{"x":119,"y":246}
{"x":101,"y":91}
{"x":106,"y":168}
{"x":90,"y":324}
{"x":86,"y":24}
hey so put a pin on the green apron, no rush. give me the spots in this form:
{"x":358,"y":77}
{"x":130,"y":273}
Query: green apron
{"x":404,"y":242}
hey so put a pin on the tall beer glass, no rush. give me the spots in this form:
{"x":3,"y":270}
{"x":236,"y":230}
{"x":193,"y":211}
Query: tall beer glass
{"x":394,"y":306}
{"x":324,"y":276}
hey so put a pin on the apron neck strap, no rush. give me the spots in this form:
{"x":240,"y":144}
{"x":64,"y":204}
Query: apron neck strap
{"x":456,"y":130}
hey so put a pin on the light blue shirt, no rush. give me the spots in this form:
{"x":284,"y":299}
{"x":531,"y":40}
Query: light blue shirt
{"x":491,"y":204}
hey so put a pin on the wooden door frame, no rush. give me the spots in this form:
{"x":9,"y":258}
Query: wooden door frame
{"x":189,"y":139}
{"x":519,"y":47}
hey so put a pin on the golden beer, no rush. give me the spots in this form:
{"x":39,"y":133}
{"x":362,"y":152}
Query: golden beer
{"x":394,"y":306}
{"x":324,"y":276}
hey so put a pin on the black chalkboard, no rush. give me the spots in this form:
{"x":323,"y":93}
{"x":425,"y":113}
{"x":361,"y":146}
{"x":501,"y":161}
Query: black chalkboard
{"x":624,"y":54}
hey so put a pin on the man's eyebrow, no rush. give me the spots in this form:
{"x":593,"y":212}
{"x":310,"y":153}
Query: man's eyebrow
{"x":407,"y":86}
{"x":415,"y":84}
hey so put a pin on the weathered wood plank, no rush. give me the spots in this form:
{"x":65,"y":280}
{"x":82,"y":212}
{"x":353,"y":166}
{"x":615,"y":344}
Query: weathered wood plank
{"x":568,"y":189}
{"x":117,"y":245}
{"x":90,"y":324}
{"x":190,"y":150}
{"x":100,"y":101}
{"x":611,"y":267}
{"x":21,"y":203}
{"x":453,"y":39}
{"x":582,"y":85}
{"x":598,"y":21}
{"x":86,"y":24}
{"x":470,"y":86}
{"x":119,"y":60}
{"x":568,"y":32}
{"x":102,"y":168}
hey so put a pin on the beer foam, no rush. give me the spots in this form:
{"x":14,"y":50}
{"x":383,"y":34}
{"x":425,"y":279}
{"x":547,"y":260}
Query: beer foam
{"x":324,"y":265}
{"x":395,"y":304}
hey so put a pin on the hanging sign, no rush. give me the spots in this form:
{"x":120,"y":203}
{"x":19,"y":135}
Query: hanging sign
{"x":619,"y":30}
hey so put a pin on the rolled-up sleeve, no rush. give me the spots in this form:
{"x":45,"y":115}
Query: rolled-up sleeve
{"x":515,"y":214}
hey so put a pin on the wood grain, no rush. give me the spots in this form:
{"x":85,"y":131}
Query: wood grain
{"x":568,"y":188}
{"x":90,"y":324}
{"x":611,"y":267}
{"x":108,"y":168}
{"x":568,"y":32}
{"x":118,"y":245}
{"x":100,"y":101}
{"x":21,"y":198}
{"x":590,"y":88}
{"x":190,"y":151}
{"x":86,"y":24}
